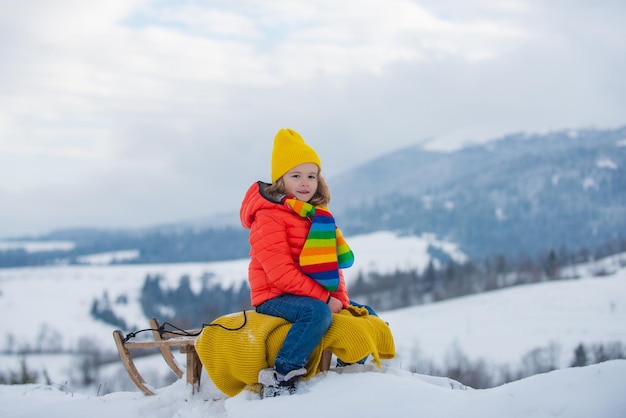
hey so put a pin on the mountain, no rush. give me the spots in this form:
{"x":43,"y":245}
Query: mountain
{"x":522,"y":193}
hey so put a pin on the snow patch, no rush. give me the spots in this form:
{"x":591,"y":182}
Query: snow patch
{"x":588,"y":183}
{"x":108,"y":258}
{"x":427,"y":202}
{"x":606,"y":163}
{"x":385,"y":252}
{"x":37,"y":246}
{"x":555,"y":180}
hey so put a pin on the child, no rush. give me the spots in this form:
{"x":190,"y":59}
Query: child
{"x":296,"y":256}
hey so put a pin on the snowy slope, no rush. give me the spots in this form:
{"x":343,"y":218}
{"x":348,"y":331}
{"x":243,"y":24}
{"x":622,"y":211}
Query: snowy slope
{"x":593,"y":391}
{"x":499,"y":327}
{"x":49,"y":307}
{"x":504,"y":325}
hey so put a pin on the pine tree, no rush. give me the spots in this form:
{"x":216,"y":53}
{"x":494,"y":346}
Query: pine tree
{"x":580,"y":356}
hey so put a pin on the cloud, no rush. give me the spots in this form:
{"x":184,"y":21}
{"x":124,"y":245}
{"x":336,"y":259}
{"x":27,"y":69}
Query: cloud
{"x":122,"y":112}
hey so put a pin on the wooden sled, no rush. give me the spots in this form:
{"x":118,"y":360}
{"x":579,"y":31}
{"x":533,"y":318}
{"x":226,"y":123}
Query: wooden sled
{"x":164,"y":341}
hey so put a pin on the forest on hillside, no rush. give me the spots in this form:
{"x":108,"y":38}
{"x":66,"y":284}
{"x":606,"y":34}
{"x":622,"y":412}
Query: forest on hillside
{"x":441,"y":280}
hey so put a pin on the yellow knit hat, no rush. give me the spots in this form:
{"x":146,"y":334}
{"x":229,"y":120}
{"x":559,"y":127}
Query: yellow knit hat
{"x":289,"y":151}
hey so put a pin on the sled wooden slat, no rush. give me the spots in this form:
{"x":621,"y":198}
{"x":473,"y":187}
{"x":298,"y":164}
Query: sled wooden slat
{"x":162,"y":343}
{"x":194,"y":366}
{"x":129,"y":364}
{"x":166,"y":350}
{"x":327,"y":356}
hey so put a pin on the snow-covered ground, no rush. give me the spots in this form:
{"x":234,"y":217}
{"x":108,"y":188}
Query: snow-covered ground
{"x":593,"y":391}
{"x":41,"y":305}
{"x":504,"y":325}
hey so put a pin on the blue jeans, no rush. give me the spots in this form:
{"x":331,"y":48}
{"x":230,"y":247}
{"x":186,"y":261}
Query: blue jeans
{"x":310,"y":320}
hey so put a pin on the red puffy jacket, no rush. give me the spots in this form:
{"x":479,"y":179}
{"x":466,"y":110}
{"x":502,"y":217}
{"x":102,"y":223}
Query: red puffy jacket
{"x":277,"y":235}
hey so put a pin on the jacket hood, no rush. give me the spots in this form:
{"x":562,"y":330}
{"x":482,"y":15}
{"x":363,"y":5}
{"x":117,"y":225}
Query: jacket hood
{"x":254,"y":201}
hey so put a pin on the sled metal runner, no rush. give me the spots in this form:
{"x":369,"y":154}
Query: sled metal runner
{"x":164,"y":341}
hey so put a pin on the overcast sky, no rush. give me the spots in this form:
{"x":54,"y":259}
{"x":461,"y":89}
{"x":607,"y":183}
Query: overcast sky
{"x":128,"y":113}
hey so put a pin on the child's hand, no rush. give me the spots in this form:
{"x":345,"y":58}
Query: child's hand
{"x":335,"y":305}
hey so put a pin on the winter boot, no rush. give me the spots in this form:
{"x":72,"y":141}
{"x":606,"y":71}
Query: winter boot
{"x":276,"y":384}
{"x":341,"y":363}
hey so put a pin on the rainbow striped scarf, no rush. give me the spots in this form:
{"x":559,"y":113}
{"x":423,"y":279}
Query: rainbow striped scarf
{"x":325,"y":250}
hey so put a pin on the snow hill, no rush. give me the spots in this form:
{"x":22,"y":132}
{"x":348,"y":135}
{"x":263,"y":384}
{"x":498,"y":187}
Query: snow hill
{"x":45,"y":306}
{"x":593,"y":391}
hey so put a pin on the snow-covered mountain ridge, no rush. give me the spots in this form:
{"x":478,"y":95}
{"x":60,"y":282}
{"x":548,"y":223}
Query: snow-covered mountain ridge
{"x":522,"y":193}
{"x":519,"y":193}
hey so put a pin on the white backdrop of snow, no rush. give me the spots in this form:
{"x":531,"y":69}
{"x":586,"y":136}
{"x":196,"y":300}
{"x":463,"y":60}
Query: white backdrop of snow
{"x":498,"y":326}
{"x":592,"y":391}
